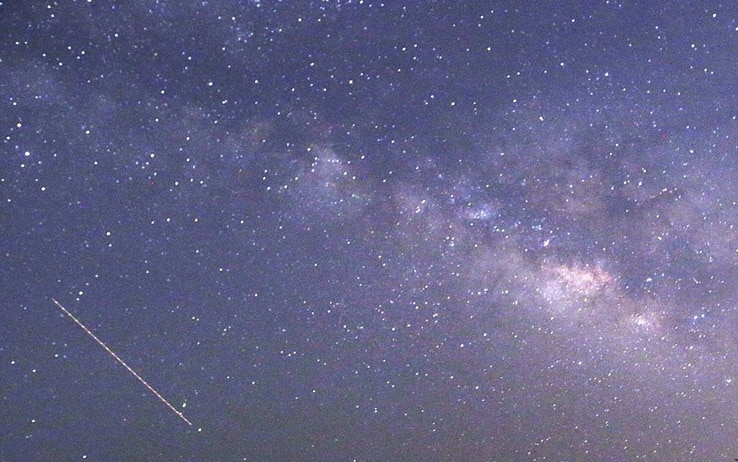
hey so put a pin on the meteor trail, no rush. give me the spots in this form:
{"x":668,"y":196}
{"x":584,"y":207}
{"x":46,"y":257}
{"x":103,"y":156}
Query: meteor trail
{"x":117,"y":358}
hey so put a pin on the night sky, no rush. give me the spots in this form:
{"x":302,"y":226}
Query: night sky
{"x":365,"y":231}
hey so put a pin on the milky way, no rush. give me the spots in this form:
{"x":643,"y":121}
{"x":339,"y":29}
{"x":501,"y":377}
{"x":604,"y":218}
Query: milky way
{"x":363,"y":231}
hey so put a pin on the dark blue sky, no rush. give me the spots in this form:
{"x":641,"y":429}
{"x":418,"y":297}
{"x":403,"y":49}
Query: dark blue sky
{"x":354,"y":230}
